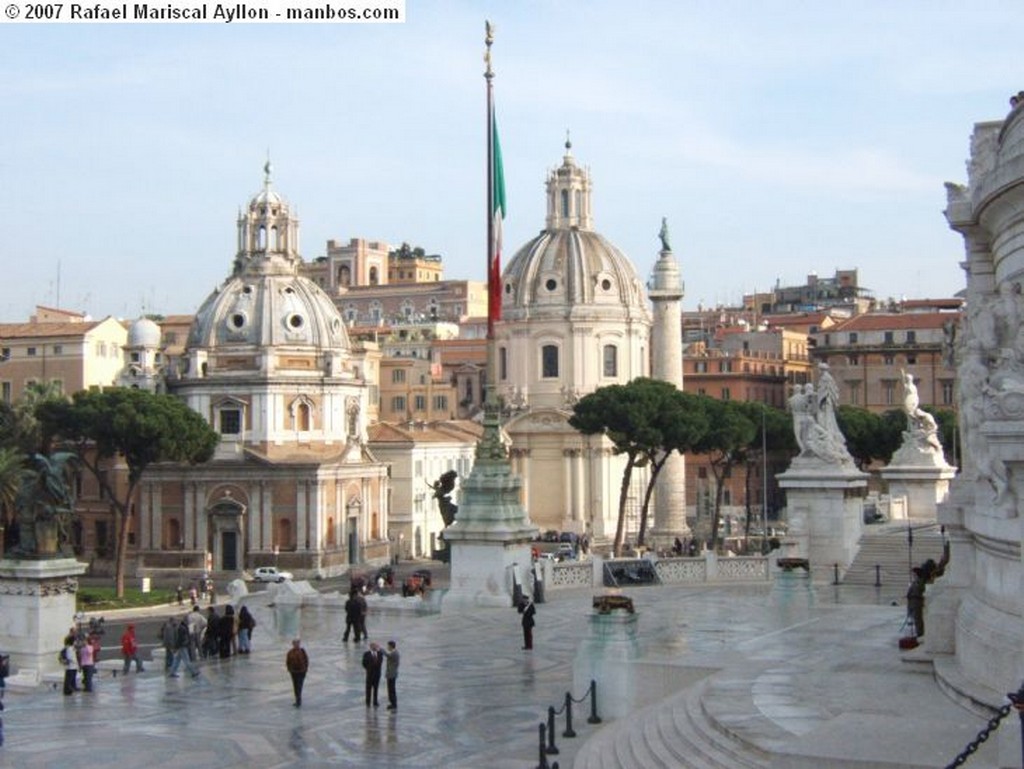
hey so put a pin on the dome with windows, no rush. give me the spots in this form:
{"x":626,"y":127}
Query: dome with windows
{"x":569,"y":269}
{"x":266,"y":302}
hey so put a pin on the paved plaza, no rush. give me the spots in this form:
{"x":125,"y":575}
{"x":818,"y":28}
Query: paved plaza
{"x":799,"y":673}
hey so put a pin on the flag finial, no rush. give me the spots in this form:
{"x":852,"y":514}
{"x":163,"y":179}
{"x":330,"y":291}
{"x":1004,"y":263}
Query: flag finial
{"x":488,"y":41}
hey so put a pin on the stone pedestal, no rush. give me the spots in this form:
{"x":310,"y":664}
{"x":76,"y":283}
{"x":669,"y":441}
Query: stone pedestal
{"x":606,"y":656}
{"x":37,"y":606}
{"x":919,"y":474}
{"x":489,"y":540}
{"x":825,"y":508}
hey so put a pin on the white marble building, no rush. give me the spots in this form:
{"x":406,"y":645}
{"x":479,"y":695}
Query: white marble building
{"x":575,"y":318}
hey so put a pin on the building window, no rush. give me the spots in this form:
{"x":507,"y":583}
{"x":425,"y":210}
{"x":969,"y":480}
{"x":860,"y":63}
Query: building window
{"x":889,"y":337}
{"x":611,"y":360}
{"x":725,"y":394}
{"x":302,"y":418}
{"x":398,"y":403}
{"x":853,"y":360}
{"x":854,"y":392}
{"x":888,"y":391}
{"x":5,"y":392}
{"x":700,"y":367}
{"x":947,"y":392}
{"x":911,"y":337}
{"x":31,"y":352}
{"x":398,"y":376}
{"x":230,"y":421}
{"x":373,"y":276}
{"x":911,"y":359}
{"x":58,"y":349}
{"x":440,"y":403}
{"x":420,"y":403}
{"x":549,"y":361}
{"x":853,"y":337}
{"x":888,"y":359}
{"x":5,"y":354}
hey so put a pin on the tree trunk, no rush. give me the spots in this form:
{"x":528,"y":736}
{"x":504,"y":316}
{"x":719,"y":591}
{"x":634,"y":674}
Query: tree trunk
{"x":620,"y":527}
{"x":121,"y":554}
{"x":648,"y":493}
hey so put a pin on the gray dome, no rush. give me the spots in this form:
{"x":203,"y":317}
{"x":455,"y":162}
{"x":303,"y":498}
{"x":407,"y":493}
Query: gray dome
{"x":261,"y":310}
{"x":144,"y":333}
{"x":567,"y":271}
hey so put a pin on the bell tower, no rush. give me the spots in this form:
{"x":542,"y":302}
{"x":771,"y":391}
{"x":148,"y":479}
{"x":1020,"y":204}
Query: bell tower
{"x":268,"y":235}
{"x":569,"y":195}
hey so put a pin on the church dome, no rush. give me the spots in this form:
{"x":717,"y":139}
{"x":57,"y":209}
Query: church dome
{"x":570,"y":270}
{"x":266,"y":302}
{"x":144,"y":333}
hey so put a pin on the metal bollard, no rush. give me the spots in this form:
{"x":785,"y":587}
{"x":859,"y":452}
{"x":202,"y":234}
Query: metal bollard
{"x":594,"y":718}
{"x":543,"y":755}
{"x":552,"y":748}
{"x":568,"y":717}
{"x":878,"y":575}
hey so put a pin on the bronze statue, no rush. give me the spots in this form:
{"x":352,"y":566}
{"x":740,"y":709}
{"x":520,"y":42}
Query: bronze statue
{"x":46,"y":506}
{"x":443,"y":487}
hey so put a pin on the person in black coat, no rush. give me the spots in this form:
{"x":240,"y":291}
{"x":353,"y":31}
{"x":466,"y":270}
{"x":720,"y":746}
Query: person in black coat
{"x":528,"y":610}
{"x":373,"y":660}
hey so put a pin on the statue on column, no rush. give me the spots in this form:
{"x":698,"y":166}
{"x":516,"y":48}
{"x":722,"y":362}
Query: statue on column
{"x":443,"y":488}
{"x":663,"y":234}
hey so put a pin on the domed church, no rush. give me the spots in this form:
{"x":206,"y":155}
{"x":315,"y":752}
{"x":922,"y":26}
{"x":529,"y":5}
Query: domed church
{"x":574,"y":318}
{"x":269,"y":364}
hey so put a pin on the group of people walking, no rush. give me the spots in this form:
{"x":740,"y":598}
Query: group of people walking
{"x":204,"y":636}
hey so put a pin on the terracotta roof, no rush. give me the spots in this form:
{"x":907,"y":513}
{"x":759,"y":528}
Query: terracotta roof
{"x":30,"y":330}
{"x":895,"y":321}
{"x":458,"y":430}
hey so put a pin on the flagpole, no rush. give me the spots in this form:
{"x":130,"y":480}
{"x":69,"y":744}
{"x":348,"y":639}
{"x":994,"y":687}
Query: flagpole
{"x":491,"y":446}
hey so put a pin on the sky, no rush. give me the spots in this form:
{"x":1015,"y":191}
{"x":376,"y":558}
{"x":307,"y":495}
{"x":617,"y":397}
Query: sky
{"x":779,"y":138}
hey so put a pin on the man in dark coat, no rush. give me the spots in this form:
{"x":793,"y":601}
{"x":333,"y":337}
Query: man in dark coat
{"x":528,"y":610}
{"x":373,"y":659}
{"x":352,"y":616}
{"x":297,"y":663}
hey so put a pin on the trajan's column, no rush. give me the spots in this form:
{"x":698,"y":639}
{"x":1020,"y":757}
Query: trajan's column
{"x":666,"y":293}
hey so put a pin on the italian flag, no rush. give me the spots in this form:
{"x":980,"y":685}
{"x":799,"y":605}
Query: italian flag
{"x":497,"y":204}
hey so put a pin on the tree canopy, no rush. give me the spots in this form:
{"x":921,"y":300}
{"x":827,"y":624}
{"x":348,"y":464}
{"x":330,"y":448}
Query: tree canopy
{"x":646,"y":420}
{"x":139,"y":426}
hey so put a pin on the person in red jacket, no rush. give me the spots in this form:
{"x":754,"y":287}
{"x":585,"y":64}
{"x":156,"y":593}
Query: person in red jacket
{"x":130,"y":650}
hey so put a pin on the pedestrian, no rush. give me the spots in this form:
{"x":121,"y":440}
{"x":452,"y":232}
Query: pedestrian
{"x":182,"y":642}
{"x":297,"y":663}
{"x":361,"y":616}
{"x":69,"y":659}
{"x":528,"y":610}
{"x":352,"y":621}
{"x":168,"y":633}
{"x":87,"y":662}
{"x":5,"y":669}
{"x":372,"y":661}
{"x":391,"y":674}
{"x":130,"y":650}
{"x":246,"y":624}
{"x":228,"y":632}
{"x":210,"y":637}
{"x":196,"y":629}
{"x":193,"y":594}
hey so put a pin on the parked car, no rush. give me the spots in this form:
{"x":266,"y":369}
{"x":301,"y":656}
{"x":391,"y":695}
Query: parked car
{"x":270,"y":574}
{"x":565,"y":552}
{"x":416,"y":583}
{"x":550,"y":536}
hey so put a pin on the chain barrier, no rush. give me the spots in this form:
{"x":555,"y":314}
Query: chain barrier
{"x":547,"y":730}
{"x":983,"y":735}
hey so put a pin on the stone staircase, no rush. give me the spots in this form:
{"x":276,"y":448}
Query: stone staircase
{"x":886,"y":546}
{"x":675,"y":734}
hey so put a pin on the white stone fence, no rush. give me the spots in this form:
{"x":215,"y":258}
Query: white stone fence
{"x":706,"y":568}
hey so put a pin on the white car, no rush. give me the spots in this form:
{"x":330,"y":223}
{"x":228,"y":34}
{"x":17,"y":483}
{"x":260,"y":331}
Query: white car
{"x":270,"y":574}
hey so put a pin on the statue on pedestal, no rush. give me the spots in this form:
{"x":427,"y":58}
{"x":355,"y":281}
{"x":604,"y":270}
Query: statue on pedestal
{"x":814,"y":421}
{"x":46,"y":507}
{"x":922,"y":431}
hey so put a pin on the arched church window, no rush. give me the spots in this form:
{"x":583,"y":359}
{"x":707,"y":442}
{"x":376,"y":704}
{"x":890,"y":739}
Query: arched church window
{"x":172,"y":535}
{"x":302,"y":418}
{"x":374,"y":279}
{"x":344,"y":275}
{"x":549,"y":361}
{"x":275,"y":238}
{"x":261,"y":242}
{"x":610,"y":358}
{"x":565,"y":203}
{"x":579,"y":202}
